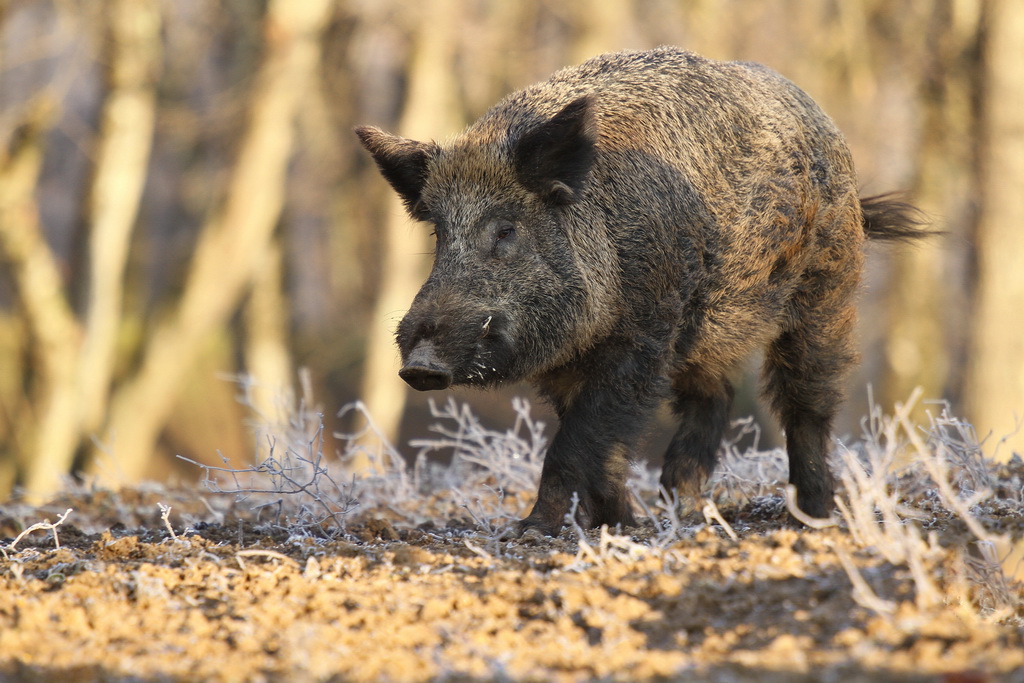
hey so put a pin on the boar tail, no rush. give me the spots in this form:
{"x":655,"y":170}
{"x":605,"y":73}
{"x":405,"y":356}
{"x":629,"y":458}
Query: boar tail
{"x":890,"y":219}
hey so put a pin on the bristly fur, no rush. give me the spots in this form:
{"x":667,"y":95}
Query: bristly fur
{"x":889,"y":217}
{"x":630,"y":231}
{"x":554,"y":160}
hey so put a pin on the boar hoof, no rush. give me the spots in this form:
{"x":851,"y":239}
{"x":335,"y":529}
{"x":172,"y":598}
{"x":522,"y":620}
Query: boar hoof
{"x":531,"y":529}
{"x":534,"y":536}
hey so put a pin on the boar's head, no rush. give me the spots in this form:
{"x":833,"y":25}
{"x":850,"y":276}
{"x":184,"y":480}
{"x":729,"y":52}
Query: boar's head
{"x":506,"y":296}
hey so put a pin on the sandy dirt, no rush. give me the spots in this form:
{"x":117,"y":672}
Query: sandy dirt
{"x":234,"y":599}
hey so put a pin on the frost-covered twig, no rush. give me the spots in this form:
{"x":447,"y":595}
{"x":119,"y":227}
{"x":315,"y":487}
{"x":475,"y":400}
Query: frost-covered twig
{"x":165,"y":514}
{"x":45,"y":524}
{"x":712,"y":514}
{"x":881,"y":503}
{"x":803,"y":517}
{"x":481,"y":459}
{"x":742,"y":475}
{"x":263,"y":552}
{"x":862,"y":592}
{"x":297,"y":471}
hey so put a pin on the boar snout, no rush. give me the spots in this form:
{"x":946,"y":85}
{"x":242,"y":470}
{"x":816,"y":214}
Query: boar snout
{"x":424,"y":371}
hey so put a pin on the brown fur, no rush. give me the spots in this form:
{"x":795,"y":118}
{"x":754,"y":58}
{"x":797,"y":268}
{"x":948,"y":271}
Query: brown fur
{"x":628,"y":231}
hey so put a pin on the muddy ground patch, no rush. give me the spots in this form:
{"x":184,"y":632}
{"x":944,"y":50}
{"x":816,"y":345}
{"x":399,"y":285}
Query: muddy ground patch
{"x":236,"y":600}
{"x":408,"y":575}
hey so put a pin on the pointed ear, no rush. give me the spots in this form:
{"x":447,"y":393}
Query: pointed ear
{"x":554,"y":158}
{"x":402,"y":162}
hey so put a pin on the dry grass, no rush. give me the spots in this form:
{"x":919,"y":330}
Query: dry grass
{"x":916,"y":575}
{"x":899,"y":484}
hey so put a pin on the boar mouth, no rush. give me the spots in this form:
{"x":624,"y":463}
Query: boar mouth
{"x":476,"y":354}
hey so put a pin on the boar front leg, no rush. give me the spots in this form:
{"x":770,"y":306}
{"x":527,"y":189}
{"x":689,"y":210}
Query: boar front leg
{"x":603,"y":404}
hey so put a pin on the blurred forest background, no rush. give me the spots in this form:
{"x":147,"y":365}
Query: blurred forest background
{"x":182,"y":201}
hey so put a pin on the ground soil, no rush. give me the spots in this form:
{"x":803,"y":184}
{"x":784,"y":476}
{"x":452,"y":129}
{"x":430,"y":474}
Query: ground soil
{"x":234,"y":599}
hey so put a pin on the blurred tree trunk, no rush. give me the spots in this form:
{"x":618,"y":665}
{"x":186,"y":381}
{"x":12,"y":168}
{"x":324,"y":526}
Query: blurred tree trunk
{"x":267,"y":360}
{"x":995,"y":381}
{"x":121,"y":163}
{"x":76,"y":364}
{"x":14,"y":347}
{"x":45,"y":450}
{"x":232,"y":246}
{"x":915,"y":344}
{"x":430,"y":111}
{"x":918,"y":341}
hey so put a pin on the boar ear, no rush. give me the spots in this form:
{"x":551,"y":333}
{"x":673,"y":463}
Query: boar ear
{"x":554,"y":158}
{"x":402,"y":162}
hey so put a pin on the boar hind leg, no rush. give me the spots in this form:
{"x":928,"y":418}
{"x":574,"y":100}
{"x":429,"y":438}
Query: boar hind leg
{"x":702,"y":405}
{"x":804,"y":372}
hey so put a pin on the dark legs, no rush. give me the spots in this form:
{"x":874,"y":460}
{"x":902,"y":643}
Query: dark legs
{"x":589,"y":455}
{"x":702,"y":405}
{"x":804,"y":370}
{"x":604,"y":405}
{"x":592,"y":463}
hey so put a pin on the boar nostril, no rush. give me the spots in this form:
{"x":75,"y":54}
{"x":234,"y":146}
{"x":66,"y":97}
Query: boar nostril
{"x":424,"y":371}
{"x":426,"y":379}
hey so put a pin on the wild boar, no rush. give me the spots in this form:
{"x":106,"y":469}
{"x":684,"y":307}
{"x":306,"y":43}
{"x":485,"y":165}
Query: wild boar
{"x":627,"y":232}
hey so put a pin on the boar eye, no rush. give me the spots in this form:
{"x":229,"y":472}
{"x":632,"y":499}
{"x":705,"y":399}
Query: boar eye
{"x":503,"y":236}
{"x":504,"y":230}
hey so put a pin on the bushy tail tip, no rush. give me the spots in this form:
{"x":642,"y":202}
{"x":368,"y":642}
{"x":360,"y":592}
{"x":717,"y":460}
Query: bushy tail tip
{"x":887,"y":217}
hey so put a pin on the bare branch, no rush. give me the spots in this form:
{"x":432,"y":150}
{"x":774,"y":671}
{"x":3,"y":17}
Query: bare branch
{"x":44,"y":525}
